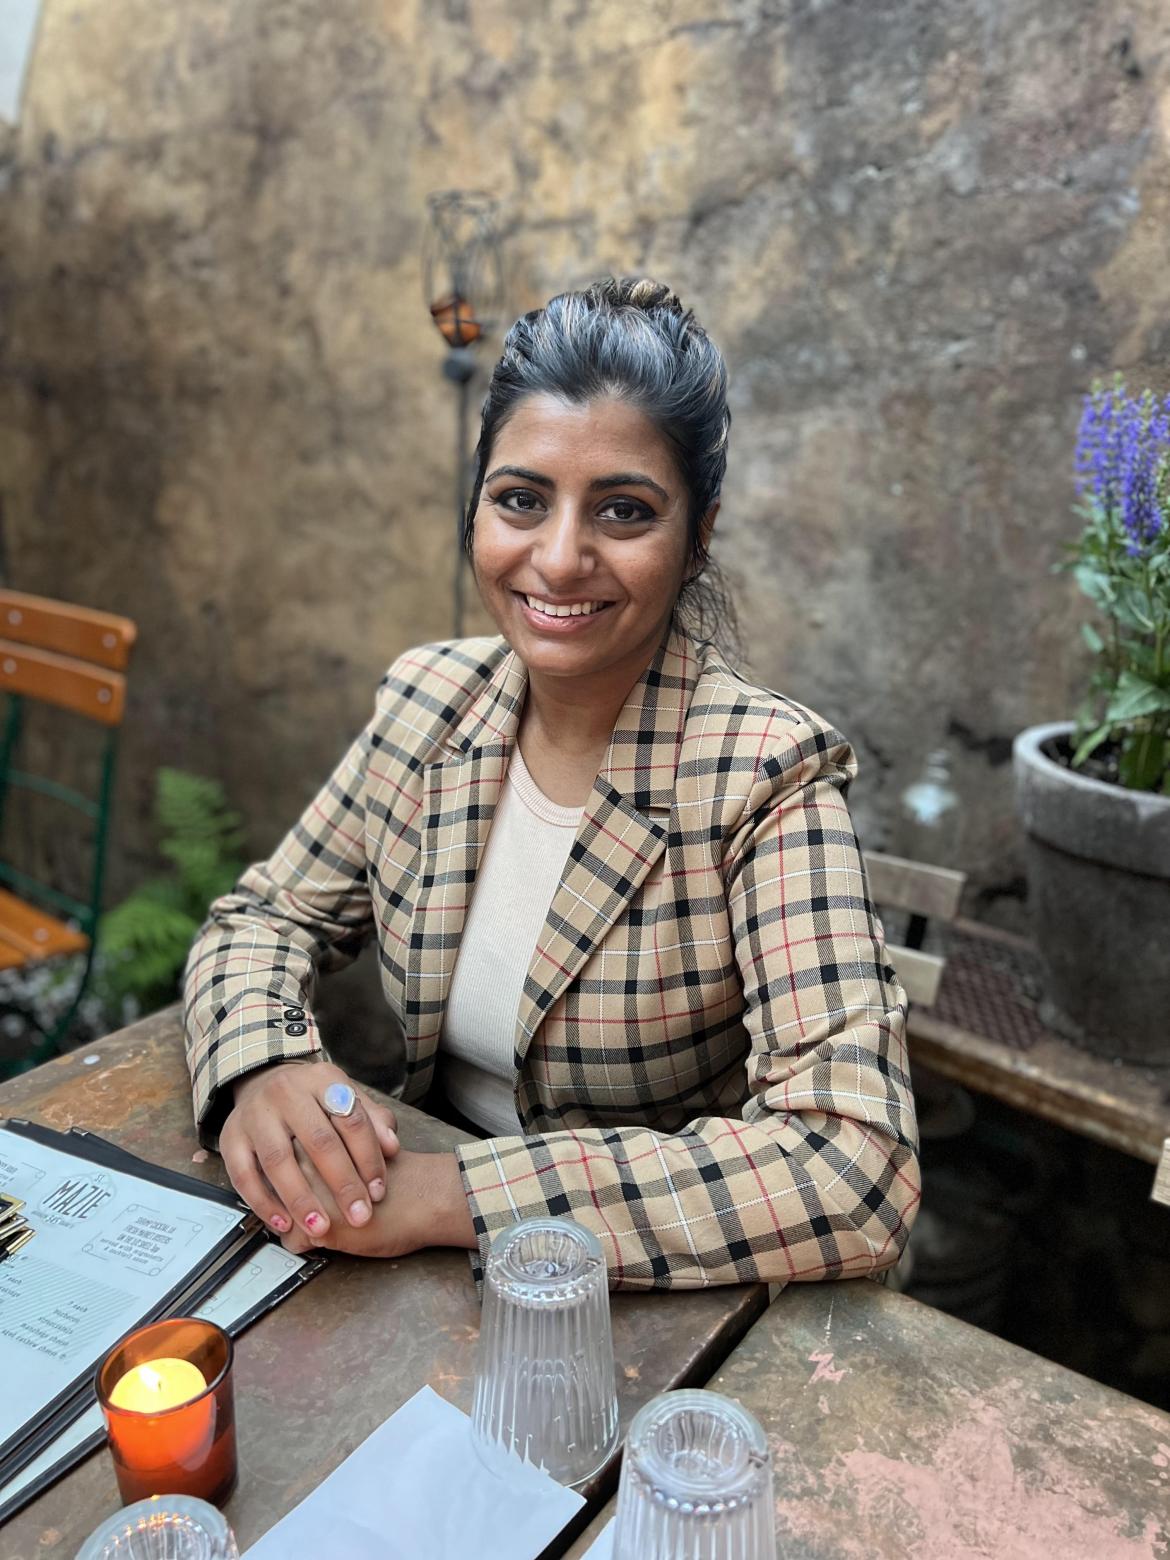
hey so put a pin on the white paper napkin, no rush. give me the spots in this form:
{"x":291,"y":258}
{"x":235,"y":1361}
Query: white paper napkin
{"x":415,"y":1490}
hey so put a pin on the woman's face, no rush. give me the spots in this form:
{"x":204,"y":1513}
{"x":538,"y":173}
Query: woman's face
{"x":580,"y":542}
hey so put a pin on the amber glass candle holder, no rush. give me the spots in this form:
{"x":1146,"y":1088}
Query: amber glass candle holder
{"x":185,"y":1449}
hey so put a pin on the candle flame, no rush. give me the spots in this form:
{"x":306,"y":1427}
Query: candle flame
{"x":150,"y":1378}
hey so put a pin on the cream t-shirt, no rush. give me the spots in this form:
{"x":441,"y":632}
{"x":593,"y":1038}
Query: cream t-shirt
{"x":522,"y":862}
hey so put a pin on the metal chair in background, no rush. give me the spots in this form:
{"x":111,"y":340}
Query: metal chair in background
{"x":54,"y":653}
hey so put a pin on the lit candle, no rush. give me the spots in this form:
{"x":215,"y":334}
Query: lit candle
{"x":156,"y":1389}
{"x":166,"y":1393}
{"x":162,"y":1384}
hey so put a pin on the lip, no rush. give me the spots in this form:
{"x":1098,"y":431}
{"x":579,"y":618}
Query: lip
{"x":556,"y":625}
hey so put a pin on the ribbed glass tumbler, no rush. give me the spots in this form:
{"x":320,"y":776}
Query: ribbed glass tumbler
{"x":165,"y":1527}
{"x":544,"y":1386}
{"x":696,"y":1483}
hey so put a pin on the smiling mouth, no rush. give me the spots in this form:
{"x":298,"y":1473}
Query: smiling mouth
{"x":570,"y":609}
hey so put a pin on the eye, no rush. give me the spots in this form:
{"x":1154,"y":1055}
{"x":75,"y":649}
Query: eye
{"x":520,"y":501}
{"x":627,"y":510}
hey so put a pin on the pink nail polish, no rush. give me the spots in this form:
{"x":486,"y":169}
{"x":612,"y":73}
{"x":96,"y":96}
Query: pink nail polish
{"x":315,"y":1223}
{"x":279,"y":1223}
{"x":377,"y":1189}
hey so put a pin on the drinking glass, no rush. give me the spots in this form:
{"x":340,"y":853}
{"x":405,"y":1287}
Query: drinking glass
{"x":544,"y":1386}
{"x":696,"y":1483}
{"x":165,"y":1527}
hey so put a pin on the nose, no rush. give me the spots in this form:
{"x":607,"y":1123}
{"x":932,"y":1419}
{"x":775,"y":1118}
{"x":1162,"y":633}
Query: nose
{"x":562,"y":550}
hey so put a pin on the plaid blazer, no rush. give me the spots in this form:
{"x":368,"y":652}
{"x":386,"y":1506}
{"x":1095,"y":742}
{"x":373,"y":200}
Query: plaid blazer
{"x":711,"y":1067}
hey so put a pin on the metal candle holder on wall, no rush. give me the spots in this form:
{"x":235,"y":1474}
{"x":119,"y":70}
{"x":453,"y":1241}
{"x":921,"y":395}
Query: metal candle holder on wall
{"x":463,"y":284}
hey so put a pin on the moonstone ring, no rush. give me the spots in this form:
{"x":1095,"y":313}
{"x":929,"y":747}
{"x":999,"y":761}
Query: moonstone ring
{"x":339,"y":1099}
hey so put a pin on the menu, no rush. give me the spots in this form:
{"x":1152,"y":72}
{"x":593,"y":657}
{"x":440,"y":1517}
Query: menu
{"x":115,"y":1244}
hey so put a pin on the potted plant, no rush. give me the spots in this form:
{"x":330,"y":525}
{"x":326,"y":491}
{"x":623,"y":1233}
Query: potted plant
{"x":1094,"y":794}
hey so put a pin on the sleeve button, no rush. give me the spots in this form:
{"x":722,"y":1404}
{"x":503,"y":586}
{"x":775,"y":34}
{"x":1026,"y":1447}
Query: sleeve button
{"x":295,"y":1029}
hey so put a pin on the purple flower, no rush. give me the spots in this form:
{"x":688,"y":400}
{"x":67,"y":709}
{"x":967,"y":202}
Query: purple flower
{"x":1122,"y":456}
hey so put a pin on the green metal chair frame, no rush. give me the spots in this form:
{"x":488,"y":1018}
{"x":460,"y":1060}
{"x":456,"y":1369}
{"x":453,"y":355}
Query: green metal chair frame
{"x":33,"y":668}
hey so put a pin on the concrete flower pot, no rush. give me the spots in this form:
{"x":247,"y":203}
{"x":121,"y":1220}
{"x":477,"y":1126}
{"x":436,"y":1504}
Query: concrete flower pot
{"x":1098,"y":862}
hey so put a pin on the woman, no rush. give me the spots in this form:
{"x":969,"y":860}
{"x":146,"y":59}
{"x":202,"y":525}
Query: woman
{"x":618,"y":900}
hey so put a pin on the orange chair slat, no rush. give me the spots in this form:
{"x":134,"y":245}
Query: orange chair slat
{"x":33,"y":933}
{"x":59,"y":679}
{"x":100,"y":637}
{"x":10,"y":959}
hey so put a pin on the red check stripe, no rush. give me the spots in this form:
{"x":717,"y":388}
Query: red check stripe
{"x":665,"y":974}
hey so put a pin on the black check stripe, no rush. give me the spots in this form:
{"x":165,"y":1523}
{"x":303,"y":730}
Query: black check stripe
{"x":710,"y":1050}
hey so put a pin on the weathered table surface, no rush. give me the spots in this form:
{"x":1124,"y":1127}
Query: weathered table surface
{"x":898,"y":1431}
{"x":1124,"y":1106}
{"x":318,"y":1374}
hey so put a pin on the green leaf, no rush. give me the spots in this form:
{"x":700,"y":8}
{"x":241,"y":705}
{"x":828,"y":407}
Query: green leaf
{"x":1139,"y":656}
{"x":1143,"y":761}
{"x":201,"y":836}
{"x":1092,"y":638}
{"x":164,"y":893}
{"x":143,"y":942}
{"x":1135,"y":698}
{"x":1096,"y":584}
{"x":1132,"y":607}
{"x":1091,"y":743}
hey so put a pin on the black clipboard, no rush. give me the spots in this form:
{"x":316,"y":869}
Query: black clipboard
{"x":224,"y":1258}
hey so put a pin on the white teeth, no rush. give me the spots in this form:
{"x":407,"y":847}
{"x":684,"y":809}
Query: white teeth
{"x":577,"y":609}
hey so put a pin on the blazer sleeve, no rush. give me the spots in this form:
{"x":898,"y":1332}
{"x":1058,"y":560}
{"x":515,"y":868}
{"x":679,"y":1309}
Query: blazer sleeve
{"x":251,"y":972}
{"x":818,"y":1177}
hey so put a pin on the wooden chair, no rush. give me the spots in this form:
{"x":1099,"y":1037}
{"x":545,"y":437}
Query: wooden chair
{"x":921,"y":891}
{"x":926,"y":893}
{"x":985,"y":1032}
{"x":57,"y":654}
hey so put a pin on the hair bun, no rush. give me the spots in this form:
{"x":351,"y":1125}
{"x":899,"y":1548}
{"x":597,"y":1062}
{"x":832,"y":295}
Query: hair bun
{"x":646,"y":293}
{"x":638,"y":292}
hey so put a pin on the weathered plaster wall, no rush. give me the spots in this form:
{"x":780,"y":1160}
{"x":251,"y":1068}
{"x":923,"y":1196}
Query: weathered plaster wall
{"x":917,"y":227}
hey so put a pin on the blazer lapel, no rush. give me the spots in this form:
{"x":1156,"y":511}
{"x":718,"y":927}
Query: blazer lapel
{"x":461,"y":786}
{"x":622,"y":833}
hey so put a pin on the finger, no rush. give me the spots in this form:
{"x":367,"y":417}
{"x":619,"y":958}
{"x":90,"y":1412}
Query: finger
{"x":241,"y":1166}
{"x":317,"y":1134}
{"x":259,"y":1196}
{"x":385,"y":1125}
{"x":277,"y":1160}
{"x":359,"y":1134}
{"x":297,"y":1242}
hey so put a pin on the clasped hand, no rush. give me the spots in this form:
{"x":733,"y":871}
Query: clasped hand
{"x":338,"y":1181}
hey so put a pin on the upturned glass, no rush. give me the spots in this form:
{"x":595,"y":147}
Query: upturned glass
{"x":696,"y":1483}
{"x":544,"y":1388}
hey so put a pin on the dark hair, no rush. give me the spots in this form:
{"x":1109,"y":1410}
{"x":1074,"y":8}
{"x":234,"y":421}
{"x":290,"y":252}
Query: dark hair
{"x":630,"y":338}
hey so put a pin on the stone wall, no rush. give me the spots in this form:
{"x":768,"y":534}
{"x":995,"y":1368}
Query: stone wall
{"x":917,"y":227}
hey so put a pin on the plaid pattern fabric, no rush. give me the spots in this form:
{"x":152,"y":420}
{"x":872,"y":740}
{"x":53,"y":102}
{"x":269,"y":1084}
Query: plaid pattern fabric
{"x":710,"y":1047}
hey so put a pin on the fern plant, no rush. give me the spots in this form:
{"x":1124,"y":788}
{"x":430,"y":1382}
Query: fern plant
{"x":143,"y":942}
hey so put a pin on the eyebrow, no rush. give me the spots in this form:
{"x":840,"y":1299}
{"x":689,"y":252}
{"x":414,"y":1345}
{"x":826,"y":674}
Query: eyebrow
{"x":598,"y":485}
